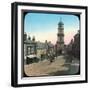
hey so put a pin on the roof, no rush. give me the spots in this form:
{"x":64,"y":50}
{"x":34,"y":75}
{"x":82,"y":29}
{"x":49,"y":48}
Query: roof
{"x":28,"y":42}
{"x":31,"y":56}
{"x":60,"y":23}
{"x":41,"y":45}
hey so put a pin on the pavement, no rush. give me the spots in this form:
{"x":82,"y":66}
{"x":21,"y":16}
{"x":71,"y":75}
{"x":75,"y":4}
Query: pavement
{"x":43,"y":68}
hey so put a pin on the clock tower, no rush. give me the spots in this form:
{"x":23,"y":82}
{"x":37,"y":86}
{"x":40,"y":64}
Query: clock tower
{"x":60,"y":38}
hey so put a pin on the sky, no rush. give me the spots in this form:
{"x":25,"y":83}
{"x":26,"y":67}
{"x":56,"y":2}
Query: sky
{"x":45,"y":26}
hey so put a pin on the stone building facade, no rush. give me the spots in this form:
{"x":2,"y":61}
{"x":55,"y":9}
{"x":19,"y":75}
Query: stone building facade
{"x":33,"y":47}
{"x":29,"y":45}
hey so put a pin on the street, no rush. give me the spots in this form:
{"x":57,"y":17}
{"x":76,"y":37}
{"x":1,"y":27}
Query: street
{"x":57,"y":67}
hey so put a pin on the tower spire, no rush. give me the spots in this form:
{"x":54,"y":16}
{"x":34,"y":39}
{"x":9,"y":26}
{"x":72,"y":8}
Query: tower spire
{"x":60,"y":37}
{"x":60,"y":22}
{"x":60,"y":19}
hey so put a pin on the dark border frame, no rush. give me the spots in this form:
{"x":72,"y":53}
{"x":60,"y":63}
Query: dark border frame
{"x":14,"y":43}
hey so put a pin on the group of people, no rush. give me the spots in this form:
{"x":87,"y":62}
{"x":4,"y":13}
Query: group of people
{"x":49,"y":56}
